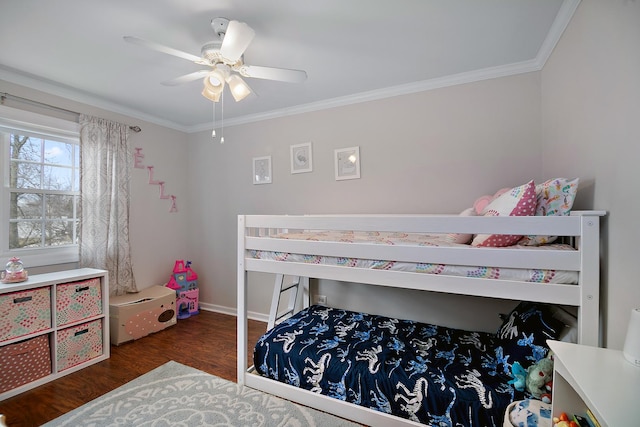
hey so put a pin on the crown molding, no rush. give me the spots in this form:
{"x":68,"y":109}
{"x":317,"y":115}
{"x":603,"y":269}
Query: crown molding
{"x":73,"y":94}
{"x":389,"y":92}
{"x":567,"y":9}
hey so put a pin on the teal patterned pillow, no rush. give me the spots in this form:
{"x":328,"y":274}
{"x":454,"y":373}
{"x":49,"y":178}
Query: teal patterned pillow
{"x":553,"y":197}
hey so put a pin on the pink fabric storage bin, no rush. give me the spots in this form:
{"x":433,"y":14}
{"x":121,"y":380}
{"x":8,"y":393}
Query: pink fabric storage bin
{"x":79,"y":343}
{"x":25,"y":312}
{"x":78,"y":300}
{"x":24,"y":362}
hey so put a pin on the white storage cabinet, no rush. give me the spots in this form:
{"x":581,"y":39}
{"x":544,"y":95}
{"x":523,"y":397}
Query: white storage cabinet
{"x":52,"y":325}
{"x":598,"y":379}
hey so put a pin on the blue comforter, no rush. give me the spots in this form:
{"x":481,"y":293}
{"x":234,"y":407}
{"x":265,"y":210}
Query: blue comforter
{"x":431,"y":374}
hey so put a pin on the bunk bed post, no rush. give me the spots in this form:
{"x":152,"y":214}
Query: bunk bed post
{"x":242,"y":303}
{"x":589,"y":310}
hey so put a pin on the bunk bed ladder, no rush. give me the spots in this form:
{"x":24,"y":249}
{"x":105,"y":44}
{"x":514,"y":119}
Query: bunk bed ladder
{"x":293,"y":288}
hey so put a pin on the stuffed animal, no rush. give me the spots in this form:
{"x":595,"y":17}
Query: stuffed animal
{"x":536,"y":379}
{"x":519,"y":375}
{"x":482,"y":202}
{"x":539,"y":379}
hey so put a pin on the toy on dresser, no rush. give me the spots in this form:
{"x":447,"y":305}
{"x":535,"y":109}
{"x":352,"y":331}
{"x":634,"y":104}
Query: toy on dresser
{"x":185,"y":282}
{"x":14,"y":272}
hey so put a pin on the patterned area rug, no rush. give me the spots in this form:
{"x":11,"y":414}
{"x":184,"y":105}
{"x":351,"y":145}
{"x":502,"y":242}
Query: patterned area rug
{"x":178,"y":395}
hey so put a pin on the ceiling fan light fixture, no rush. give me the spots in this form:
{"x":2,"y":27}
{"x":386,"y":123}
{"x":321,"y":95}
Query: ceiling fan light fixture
{"x":215,"y":80}
{"x":239,"y":88}
{"x":210,"y":95}
{"x":213,"y":86}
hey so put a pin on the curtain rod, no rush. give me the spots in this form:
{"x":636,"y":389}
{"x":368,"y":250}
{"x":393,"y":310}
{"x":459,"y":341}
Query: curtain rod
{"x":5,"y":95}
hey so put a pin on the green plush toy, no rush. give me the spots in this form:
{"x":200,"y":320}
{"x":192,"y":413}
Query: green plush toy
{"x":539,"y":379}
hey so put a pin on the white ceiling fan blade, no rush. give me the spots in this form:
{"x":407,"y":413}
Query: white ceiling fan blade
{"x":186,"y":78}
{"x":270,"y":73}
{"x":163,"y":49}
{"x":236,"y":40}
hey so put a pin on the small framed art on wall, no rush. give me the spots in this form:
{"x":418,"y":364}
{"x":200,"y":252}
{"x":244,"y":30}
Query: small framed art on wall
{"x":301,"y":158}
{"x":262,"y":170}
{"x":347,"y":163}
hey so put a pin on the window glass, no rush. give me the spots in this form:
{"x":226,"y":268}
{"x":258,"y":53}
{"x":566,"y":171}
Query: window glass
{"x":40,"y":191}
{"x":45,"y":215}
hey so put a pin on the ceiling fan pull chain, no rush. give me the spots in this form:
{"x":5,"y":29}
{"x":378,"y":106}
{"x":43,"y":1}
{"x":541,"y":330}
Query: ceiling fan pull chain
{"x":213,"y":132}
{"x":222,"y":119}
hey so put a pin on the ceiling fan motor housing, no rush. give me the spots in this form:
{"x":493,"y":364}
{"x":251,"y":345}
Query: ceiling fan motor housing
{"x":211,"y":52}
{"x":220,"y":26}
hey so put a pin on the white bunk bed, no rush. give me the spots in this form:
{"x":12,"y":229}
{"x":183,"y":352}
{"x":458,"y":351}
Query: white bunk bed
{"x":260,"y":233}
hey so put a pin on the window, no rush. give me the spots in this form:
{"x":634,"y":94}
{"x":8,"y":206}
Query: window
{"x":40,"y":196}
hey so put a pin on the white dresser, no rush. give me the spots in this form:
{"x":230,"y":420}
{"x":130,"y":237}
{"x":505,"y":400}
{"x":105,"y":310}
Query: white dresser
{"x":596,"y":378}
{"x":51,"y":325}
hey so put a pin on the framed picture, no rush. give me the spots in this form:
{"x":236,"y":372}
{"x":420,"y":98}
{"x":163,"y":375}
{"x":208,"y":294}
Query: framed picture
{"x":347,"y":163}
{"x":262,"y":170}
{"x":301,"y":158}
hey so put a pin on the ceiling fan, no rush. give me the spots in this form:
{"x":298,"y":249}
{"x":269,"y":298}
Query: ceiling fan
{"x":225,"y":60}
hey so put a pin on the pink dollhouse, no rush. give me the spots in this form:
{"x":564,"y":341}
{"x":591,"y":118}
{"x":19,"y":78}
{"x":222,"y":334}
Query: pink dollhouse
{"x":185,"y":282}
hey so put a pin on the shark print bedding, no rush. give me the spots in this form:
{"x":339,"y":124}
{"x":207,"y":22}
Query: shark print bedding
{"x":430,"y":374}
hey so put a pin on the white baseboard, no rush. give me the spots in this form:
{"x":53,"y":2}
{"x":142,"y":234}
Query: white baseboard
{"x":261,"y":317}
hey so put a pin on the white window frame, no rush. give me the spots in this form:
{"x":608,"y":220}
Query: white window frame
{"x":20,"y":120}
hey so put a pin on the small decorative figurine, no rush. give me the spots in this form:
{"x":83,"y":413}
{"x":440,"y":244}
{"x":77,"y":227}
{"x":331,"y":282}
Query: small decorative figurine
{"x":14,"y":272}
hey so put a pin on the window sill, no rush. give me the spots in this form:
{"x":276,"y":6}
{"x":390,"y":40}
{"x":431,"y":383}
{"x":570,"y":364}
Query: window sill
{"x":44,"y":257}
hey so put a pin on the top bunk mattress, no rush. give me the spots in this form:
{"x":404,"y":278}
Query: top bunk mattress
{"x":533,"y":275}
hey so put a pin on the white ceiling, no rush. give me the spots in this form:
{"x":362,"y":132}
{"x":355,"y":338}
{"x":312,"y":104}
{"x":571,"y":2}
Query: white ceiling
{"x":352,"y":50}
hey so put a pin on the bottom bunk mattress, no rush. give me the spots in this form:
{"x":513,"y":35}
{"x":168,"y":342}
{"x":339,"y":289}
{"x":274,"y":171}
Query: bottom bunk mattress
{"x":431,"y":374}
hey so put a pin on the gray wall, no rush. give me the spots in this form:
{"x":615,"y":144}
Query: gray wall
{"x":591,"y":129}
{"x":431,"y":152}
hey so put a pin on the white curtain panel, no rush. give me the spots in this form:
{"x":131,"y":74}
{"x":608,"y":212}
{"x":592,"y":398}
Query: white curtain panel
{"x":105,"y":171}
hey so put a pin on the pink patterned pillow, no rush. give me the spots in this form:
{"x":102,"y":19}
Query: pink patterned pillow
{"x":519,"y":201}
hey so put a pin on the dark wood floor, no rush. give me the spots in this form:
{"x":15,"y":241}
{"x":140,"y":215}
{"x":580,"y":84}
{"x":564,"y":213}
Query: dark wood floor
{"x":206,"y":341}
